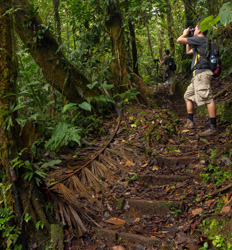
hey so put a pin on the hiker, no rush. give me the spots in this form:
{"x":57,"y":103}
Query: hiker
{"x":167,"y":74}
{"x":199,"y":91}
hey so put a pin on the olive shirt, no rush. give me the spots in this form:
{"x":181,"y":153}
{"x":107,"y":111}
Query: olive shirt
{"x":199,"y":45}
{"x":167,"y":73}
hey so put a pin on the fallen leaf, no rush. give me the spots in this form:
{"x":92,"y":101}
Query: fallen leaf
{"x":226,"y":210}
{"x":136,"y":220}
{"x":118,"y":248}
{"x":197,"y":211}
{"x":129,"y":163}
{"x":116,"y":221}
{"x":155,"y":168}
{"x":185,"y":130}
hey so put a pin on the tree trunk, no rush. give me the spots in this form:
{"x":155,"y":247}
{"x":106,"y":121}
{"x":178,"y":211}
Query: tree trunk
{"x":67,"y":29}
{"x":8,"y":66}
{"x":119,"y":66}
{"x":170,"y":30}
{"x":56,"y":4}
{"x":160,"y":39}
{"x":133,"y":43}
{"x":9,"y":134}
{"x":190,"y":13}
{"x":149,"y":39}
{"x":44,"y":48}
{"x":134,"y":48}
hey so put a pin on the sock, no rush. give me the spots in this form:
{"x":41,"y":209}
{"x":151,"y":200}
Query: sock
{"x":213,"y":121}
{"x":190,"y":117}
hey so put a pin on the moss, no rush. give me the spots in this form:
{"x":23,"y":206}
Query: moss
{"x":219,"y":230}
{"x":57,"y":237}
{"x":225,"y":110}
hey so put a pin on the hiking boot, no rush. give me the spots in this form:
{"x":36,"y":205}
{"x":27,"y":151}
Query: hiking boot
{"x":189,"y":124}
{"x":211,"y":131}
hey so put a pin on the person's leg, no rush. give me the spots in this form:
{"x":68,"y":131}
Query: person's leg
{"x":189,"y":98}
{"x":211,"y":107}
{"x":212,"y":113}
{"x":190,"y":112}
{"x":171,"y":88}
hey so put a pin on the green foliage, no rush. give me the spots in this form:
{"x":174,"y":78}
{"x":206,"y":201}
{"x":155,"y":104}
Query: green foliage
{"x":225,"y":13}
{"x":215,"y":172}
{"x":30,"y":173}
{"x":8,"y":115}
{"x":63,"y":134}
{"x":10,"y":233}
{"x":214,"y":229}
{"x":208,"y":22}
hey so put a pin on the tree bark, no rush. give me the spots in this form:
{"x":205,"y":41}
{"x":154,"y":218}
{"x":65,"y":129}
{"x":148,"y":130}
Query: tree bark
{"x":119,"y":66}
{"x":190,"y":13}
{"x":134,"y":48}
{"x":9,"y":134}
{"x":44,"y":48}
{"x":56,"y":4}
{"x":8,"y":66}
{"x":170,"y":30}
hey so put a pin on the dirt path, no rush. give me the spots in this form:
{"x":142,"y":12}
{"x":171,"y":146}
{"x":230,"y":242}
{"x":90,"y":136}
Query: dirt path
{"x":157,"y":199}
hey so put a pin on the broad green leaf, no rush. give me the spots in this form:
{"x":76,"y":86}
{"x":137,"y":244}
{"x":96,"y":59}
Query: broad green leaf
{"x":225,"y":13}
{"x":90,"y":86}
{"x":208,"y":22}
{"x":85,"y":106}
{"x":69,"y":106}
{"x":50,"y":163}
{"x":107,"y":86}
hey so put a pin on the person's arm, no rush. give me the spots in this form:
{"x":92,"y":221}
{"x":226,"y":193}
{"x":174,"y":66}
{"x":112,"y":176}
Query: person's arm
{"x":182,"y":39}
{"x":161,"y":61}
{"x":189,"y":50}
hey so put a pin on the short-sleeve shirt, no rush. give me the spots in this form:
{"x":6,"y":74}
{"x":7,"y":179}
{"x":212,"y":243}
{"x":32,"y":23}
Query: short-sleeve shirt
{"x":166,"y":60}
{"x":199,"y":44}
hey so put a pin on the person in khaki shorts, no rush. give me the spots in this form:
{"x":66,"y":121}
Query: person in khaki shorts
{"x":199,"y":90}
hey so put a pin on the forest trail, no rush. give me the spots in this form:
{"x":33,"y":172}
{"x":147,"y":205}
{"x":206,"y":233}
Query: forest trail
{"x":156,"y":198}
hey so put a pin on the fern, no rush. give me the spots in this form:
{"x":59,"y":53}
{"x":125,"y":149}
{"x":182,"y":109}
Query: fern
{"x":62,"y":135}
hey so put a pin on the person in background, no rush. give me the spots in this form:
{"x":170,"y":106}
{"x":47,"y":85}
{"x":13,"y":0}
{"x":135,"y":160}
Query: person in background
{"x":167,"y":74}
{"x":199,"y":91}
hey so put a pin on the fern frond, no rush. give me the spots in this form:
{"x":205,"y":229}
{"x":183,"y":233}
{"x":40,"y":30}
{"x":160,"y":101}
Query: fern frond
{"x":62,"y":135}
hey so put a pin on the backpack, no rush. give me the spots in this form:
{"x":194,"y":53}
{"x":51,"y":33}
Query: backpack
{"x":172,"y":65}
{"x":216,"y":66}
{"x":211,"y":58}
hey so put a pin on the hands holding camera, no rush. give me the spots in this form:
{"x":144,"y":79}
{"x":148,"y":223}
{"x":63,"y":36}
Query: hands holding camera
{"x":189,"y":32}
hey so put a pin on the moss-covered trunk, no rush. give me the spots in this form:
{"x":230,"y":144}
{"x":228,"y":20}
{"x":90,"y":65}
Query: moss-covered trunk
{"x":119,"y":66}
{"x":170,"y":27}
{"x":8,"y":73}
{"x":44,"y":48}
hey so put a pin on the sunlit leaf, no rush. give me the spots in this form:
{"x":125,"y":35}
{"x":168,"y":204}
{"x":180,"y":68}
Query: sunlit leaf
{"x":90,"y":86}
{"x":208,"y":22}
{"x":85,"y":106}
{"x":69,"y":106}
{"x":50,"y":163}
{"x":225,"y":13}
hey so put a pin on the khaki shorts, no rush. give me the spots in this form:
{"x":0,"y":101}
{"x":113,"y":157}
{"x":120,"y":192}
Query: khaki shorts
{"x":199,"y":90}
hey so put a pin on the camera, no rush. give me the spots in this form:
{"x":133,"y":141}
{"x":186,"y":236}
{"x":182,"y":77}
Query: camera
{"x":191,"y":32}
{"x":155,"y":60}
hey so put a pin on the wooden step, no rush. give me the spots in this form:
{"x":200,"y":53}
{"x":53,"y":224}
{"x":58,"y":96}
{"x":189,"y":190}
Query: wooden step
{"x":115,"y":236}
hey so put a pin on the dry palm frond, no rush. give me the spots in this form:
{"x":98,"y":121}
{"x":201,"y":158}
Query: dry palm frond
{"x":78,"y":224}
{"x":88,"y":178}
{"x":68,"y":210}
{"x":114,"y":164}
{"x":67,"y":195}
{"x":75,"y":185}
{"x":101,"y":171}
